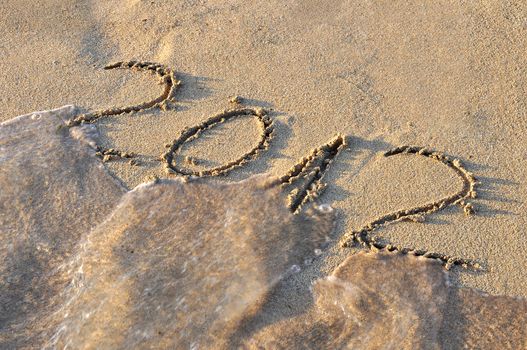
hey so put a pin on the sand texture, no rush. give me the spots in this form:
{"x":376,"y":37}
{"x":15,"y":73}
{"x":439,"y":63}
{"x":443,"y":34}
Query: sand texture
{"x":408,"y":118}
{"x":449,"y":76}
{"x":187,"y":265}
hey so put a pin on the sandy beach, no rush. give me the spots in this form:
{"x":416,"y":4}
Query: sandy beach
{"x":450,"y":76}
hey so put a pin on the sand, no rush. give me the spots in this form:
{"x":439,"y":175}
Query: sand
{"x":449,"y":76}
{"x":185,"y":263}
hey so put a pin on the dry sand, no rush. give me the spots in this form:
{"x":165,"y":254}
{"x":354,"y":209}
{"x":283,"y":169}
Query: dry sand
{"x":446,"y":75}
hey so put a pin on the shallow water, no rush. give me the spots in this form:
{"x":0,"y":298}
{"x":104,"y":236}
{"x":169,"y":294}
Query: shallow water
{"x":174,"y":264}
{"x":179,"y":264}
{"x":53,"y":191}
{"x":381,"y":300}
